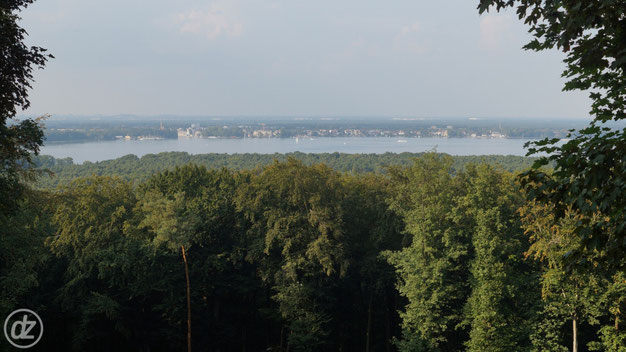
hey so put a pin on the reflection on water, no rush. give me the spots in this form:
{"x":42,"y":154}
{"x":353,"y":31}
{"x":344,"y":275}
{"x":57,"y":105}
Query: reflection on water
{"x":97,"y":151}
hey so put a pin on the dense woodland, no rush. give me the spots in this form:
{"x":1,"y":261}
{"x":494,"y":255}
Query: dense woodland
{"x":132,"y":168}
{"x":304,"y":258}
{"x":327,"y":252}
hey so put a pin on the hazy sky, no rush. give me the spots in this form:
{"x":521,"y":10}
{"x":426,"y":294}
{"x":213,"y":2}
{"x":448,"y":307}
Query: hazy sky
{"x":291,"y":57}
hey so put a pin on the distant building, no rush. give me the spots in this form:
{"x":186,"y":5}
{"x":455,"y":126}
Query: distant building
{"x":182,"y":133}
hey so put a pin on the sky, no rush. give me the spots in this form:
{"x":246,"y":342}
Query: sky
{"x":291,"y":57}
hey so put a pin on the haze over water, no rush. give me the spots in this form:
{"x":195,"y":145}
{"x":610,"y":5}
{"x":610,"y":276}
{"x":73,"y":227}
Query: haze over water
{"x":105,"y":150}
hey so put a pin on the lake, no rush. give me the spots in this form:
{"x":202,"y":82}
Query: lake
{"x":104,"y":150}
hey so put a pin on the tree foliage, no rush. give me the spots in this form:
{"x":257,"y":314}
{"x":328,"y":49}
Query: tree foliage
{"x":18,"y":140}
{"x":463,"y":272}
{"x":589,"y":168}
{"x":24,"y":218}
{"x":141,"y":169}
{"x":317,"y":237}
{"x":305,"y":258}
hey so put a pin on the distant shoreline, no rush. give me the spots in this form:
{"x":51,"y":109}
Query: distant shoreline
{"x":80,"y":141}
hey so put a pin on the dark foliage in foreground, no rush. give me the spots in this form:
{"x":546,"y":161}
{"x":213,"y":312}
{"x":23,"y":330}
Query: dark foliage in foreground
{"x":304,"y":258}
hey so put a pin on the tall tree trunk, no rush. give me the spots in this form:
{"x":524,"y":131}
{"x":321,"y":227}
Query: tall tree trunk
{"x":188,"y":299}
{"x":574,"y":336}
{"x":368,"y":331}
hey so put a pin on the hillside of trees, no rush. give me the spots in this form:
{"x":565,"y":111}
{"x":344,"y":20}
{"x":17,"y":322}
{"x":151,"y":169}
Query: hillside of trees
{"x":297,"y":257}
{"x":132,"y":168}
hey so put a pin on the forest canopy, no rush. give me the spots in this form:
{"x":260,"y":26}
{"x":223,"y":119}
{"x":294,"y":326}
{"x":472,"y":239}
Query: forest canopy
{"x":133,"y":168}
{"x":425,"y":256}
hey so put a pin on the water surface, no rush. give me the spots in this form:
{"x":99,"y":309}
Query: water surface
{"x":104,"y":150}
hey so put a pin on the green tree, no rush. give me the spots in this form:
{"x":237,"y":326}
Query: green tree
{"x":19,"y":243}
{"x":18,"y":140}
{"x":568,"y":297}
{"x":116,"y":288}
{"x":22,"y":250}
{"x":296,"y":225}
{"x":194,"y":207}
{"x":370,"y":229}
{"x":173,"y":225}
{"x":463,"y":273}
{"x":502,"y":303}
{"x":104,"y":267}
{"x":434,"y":268}
{"x":613,"y":335}
{"x":590,"y":168}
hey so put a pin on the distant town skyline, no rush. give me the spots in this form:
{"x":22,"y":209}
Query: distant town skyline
{"x":291,"y":58}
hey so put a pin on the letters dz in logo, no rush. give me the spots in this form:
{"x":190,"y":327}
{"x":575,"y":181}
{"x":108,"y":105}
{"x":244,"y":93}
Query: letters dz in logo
{"x":23,"y":328}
